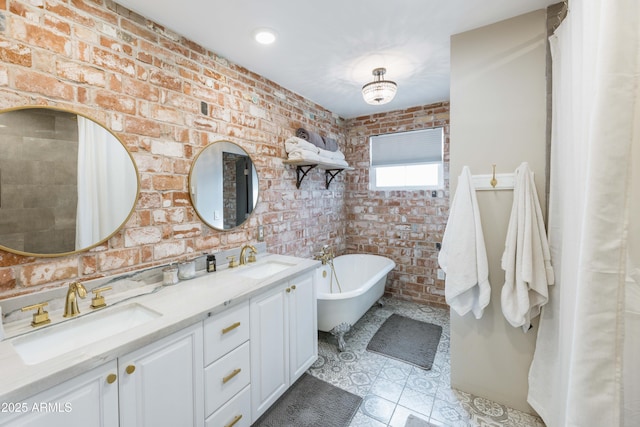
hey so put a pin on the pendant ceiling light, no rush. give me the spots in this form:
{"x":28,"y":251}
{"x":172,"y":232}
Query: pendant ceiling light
{"x":379,"y":91}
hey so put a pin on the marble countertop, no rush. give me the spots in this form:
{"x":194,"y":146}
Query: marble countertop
{"x":181,"y":305}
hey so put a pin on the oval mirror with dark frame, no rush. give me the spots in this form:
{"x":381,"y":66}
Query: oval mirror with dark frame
{"x":67,"y":184}
{"x":223,"y":185}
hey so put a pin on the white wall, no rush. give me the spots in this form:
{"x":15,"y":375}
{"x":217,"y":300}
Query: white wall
{"x":498,"y":116}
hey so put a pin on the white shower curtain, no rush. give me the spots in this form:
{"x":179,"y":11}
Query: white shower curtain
{"x":576,"y":375}
{"x":106,"y":184}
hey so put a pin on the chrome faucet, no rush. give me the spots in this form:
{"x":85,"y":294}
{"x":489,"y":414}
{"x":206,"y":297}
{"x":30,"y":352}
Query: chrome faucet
{"x":252,"y":256}
{"x":76,"y":289}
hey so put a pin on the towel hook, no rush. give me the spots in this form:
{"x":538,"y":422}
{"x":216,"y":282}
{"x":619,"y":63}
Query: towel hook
{"x":561,"y":14}
{"x":493,"y":181}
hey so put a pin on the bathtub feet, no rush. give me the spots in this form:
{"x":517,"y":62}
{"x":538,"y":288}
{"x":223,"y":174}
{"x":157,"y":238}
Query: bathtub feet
{"x":380,"y":302}
{"x":339,"y":332}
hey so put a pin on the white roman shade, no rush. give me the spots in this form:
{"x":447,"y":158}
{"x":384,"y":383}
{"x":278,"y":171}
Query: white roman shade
{"x":407,"y":148}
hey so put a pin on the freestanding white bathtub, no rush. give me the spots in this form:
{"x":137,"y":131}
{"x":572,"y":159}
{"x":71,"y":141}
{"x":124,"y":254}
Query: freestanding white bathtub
{"x":362,"y":278}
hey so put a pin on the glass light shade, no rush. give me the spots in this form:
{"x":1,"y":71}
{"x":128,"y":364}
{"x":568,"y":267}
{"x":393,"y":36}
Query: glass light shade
{"x":379,"y":91}
{"x":376,"y":93}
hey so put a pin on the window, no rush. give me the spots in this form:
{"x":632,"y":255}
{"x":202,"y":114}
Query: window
{"x":407,"y":160}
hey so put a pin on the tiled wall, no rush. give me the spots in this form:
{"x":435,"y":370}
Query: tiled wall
{"x":147,"y":85}
{"x":229,"y":190}
{"x":38,"y":176}
{"x":403,"y":225}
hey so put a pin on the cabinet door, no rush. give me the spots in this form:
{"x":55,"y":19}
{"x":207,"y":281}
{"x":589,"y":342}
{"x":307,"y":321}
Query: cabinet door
{"x":90,"y":399}
{"x":161,"y":384}
{"x":303,"y":325}
{"x":269,"y":349}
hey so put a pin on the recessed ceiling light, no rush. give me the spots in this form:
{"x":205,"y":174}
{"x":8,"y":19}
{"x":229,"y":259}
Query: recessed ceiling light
{"x":264,"y":35}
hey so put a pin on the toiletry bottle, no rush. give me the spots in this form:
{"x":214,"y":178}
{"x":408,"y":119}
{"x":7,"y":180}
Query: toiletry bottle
{"x":211,"y":263}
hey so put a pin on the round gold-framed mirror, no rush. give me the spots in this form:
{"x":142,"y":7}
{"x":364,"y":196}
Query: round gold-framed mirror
{"x":223,"y":185}
{"x":67,"y":184}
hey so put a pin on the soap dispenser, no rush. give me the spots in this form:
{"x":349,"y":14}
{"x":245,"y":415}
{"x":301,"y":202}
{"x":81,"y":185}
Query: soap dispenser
{"x":211,"y":263}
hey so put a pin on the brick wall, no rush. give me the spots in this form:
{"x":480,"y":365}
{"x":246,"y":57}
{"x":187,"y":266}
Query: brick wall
{"x":402,"y":225}
{"x":147,"y":84}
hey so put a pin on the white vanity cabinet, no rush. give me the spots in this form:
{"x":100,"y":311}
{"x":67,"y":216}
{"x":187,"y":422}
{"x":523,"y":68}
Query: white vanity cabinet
{"x":283,"y":339}
{"x":90,"y":399}
{"x":223,"y":370}
{"x":227,"y":390}
{"x":161,"y":384}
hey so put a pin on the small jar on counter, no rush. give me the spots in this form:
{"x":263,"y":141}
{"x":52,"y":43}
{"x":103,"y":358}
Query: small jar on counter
{"x":170,"y":275}
{"x":187,"y":270}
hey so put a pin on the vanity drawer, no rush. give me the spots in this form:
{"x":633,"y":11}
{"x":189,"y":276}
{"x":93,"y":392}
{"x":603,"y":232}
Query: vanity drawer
{"x":225,"y":331}
{"x":237,"y":409}
{"x":226,"y":377}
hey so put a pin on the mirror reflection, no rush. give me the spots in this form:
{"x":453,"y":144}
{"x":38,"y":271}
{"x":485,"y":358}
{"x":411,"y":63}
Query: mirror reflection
{"x":66,"y":183}
{"x":223,"y":185}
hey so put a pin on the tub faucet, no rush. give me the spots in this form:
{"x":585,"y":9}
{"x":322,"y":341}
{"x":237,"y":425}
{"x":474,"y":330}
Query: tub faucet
{"x":76,"y":289}
{"x":325,"y":254}
{"x":243,"y":257}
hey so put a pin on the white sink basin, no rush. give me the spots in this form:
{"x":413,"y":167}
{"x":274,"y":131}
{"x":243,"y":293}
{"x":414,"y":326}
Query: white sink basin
{"x":264,"y":270}
{"x":45,"y":344}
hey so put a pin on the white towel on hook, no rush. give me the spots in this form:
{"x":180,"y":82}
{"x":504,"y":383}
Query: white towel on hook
{"x":526,"y":259}
{"x":463,"y":255}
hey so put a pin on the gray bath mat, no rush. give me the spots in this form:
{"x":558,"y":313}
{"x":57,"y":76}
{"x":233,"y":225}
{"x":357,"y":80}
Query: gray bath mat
{"x":406,"y":339}
{"x":417,"y":422}
{"x":311,"y":402}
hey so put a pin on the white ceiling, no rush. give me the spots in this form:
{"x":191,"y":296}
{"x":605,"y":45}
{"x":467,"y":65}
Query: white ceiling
{"x":326,"y":50}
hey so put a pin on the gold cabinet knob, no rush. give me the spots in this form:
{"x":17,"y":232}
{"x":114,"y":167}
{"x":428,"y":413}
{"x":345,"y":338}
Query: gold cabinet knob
{"x":130,"y":369}
{"x":293,"y":287}
{"x":111,"y":378}
{"x":288,"y":290}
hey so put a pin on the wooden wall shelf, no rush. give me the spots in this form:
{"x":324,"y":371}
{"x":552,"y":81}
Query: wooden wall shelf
{"x":331,"y":170}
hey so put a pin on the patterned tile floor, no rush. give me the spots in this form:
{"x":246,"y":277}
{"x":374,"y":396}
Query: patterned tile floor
{"x":392,"y":390}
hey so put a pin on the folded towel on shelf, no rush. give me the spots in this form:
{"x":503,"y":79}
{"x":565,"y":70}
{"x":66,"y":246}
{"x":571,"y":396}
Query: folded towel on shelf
{"x":526,"y":259}
{"x":333,"y":155}
{"x":305,"y":155}
{"x":310,"y":136}
{"x":337,"y":162}
{"x":294,"y":143}
{"x":330,"y":144}
{"x":463,"y":256}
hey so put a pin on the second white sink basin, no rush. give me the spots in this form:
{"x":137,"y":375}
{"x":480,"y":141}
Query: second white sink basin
{"x":45,"y":344}
{"x":264,"y":270}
